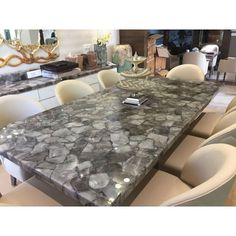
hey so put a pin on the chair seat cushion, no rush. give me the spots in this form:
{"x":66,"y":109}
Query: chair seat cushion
{"x":27,"y":195}
{"x":206,"y":125}
{"x":177,"y":159}
{"x":161,"y":187}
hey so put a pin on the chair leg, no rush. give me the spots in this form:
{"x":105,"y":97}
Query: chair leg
{"x":218,"y":74}
{"x":13,"y":181}
{"x":211,"y":72}
{"x":224,"y":76}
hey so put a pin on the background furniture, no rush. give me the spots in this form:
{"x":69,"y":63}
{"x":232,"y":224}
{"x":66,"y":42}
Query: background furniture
{"x":212,"y":52}
{"x":143,"y":43}
{"x":200,"y":183}
{"x":187,"y":72}
{"x":226,"y":66}
{"x":196,"y":58}
{"x":220,"y":37}
{"x":69,"y":90}
{"x":177,"y":41}
{"x":43,"y":89}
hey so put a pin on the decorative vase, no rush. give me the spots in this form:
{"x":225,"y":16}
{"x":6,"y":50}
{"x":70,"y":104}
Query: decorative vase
{"x":120,"y":55}
{"x":101,"y":54}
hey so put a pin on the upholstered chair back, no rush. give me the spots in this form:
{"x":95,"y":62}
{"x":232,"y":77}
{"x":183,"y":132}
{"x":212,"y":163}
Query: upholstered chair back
{"x":198,"y":59}
{"x":69,"y":90}
{"x":186,"y":72}
{"x":227,"y":120}
{"x":15,"y":107}
{"x":227,"y":136}
{"x":108,"y":78}
{"x":210,"y":171}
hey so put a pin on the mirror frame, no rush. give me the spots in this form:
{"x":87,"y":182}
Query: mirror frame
{"x":27,"y":52}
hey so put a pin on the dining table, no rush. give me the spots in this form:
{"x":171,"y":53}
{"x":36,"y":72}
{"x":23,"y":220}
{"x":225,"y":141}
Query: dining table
{"x":97,"y":150}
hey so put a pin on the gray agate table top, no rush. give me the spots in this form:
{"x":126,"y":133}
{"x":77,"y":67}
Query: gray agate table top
{"x":96,"y":149}
{"x":13,"y":84}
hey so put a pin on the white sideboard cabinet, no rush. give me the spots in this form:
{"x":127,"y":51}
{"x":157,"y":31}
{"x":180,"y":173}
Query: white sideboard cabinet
{"x":46,"y":95}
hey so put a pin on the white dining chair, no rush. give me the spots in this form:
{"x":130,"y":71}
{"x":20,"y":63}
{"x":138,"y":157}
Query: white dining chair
{"x":206,"y":180}
{"x":186,"y":72}
{"x":108,"y":78}
{"x":198,"y":59}
{"x":70,"y":90}
{"x":211,"y":51}
{"x":211,"y":48}
{"x":26,"y":194}
{"x":16,"y":108}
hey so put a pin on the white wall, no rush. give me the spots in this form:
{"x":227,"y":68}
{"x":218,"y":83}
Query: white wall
{"x":70,"y":41}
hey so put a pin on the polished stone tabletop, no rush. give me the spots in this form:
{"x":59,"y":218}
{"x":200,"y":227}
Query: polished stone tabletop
{"x":13,"y":84}
{"x":96,"y":149}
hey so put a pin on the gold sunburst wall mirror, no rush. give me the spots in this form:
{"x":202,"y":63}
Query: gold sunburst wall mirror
{"x":31,"y":46}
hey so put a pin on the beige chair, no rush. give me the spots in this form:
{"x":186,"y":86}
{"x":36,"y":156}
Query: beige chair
{"x":26,"y":194}
{"x":176,"y":161}
{"x":69,"y":90}
{"x":15,"y":108}
{"x":210,"y":119}
{"x":187,"y":72}
{"x":205,"y":180}
{"x":227,"y":136}
{"x":226,"y":66}
{"x":198,"y":59}
{"x":212,"y":123}
{"x":231,"y":106}
{"x":108,"y":78}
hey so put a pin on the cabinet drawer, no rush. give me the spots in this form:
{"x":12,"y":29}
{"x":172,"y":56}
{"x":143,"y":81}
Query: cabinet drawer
{"x":31,"y":94}
{"x":46,"y":92}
